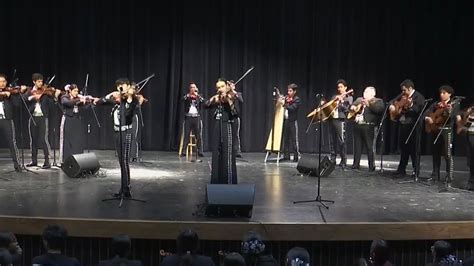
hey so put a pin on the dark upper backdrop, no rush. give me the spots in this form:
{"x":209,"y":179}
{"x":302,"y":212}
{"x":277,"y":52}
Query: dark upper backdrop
{"x":311,"y":43}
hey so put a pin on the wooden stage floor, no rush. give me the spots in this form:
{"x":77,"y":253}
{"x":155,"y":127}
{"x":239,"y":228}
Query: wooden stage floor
{"x":367,"y":205}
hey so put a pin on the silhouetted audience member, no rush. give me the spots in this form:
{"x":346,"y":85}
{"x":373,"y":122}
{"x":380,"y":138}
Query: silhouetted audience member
{"x":297,"y":256}
{"x":442,"y":254}
{"x":187,"y":245}
{"x":234,"y":259}
{"x":468,"y":262}
{"x":54,"y":238}
{"x":15,"y":250}
{"x":253,"y":250}
{"x":379,"y":255}
{"x":5,"y":256}
{"x":121,"y":246}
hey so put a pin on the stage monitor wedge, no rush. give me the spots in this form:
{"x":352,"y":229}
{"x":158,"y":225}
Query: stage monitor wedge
{"x":308,"y":165}
{"x":81,"y":164}
{"x":225,"y":200}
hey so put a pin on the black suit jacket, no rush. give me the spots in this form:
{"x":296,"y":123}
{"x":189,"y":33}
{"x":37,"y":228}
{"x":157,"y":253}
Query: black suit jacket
{"x":68,"y":105}
{"x":343,"y":107}
{"x":55,"y":260}
{"x":45,"y":101}
{"x":9,"y":105}
{"x":293,"y":108}
{"x":117,"y":261}
{"x":188,"y":100}
{"x":412,"y":113}
{"x":372,"y":112}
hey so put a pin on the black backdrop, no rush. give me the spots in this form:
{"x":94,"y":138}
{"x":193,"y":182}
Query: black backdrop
{"x":311,"y":43}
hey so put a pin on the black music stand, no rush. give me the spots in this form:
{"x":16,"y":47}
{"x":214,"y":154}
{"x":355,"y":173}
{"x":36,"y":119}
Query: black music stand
{"x":318,"y":196}
{"x":121,"y":195}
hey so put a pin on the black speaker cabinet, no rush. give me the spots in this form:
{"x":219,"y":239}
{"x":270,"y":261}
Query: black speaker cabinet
{"x":81,"y":164}
{"x":230,"y":200}
{"x":308,"y":165}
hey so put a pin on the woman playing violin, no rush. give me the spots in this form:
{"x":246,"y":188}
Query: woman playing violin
{"x":441,"y":118}
{"x":40,"y":101}
{"x":8,"y":104}
{"x":224,"y":170}
{"x":71,"y":133}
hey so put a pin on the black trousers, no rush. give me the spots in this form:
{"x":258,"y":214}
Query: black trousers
{"x":337,"y":128}
{"x":122,"y":147}
{"x":364,"y":137}
{"x":71,"y":137}
{"x":192,"y":124}
{"x":290,"y":138}
{"x":8,"y":129}
{"x":411,"y":149}
{"x":470,"y":140}
{"x":443,"y":147}
{"x":224,"y":167}
{"x":136,"y":137}
{"x":237,"y":135}
{"x":39,"y":137}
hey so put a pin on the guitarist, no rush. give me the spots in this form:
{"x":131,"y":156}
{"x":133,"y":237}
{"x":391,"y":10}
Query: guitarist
{"x":406,"y":118}
{"x":337,"y":125}
{"x":465,"y":123}
{"x":438,"y":113}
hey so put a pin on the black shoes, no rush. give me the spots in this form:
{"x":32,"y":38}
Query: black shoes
{"x":295,"y":159}
{"x":31,"y":164}
{"x":46,"y":165}
{"x":200,"y":154}
{"x":355,"y":167}
{"x":238,"y":155}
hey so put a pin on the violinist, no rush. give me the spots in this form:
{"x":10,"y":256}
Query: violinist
{"x":9,"y":102}
{"x":224,"y":169}
{"x":337,"y":123}
{"x":465,"y":124}
{"x":290,"y":123}
{"x":41,"y":101}
{"x":365,"y":123}
{"x":192,"y":117}
{"x":124,"y":101}
{"x":441,"y":117}
{"x":71,"y":133}
{"x":407,"y":117}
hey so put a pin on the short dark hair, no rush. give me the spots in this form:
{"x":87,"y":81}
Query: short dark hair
{"x":5,"y":240}
{"x":341,"y":81}
{"x":55,"y":236}
{"x":234,"y":259}
{"x":121,"y":81}
{"x":442,"y":249}
{"x":298,"y":253}
{"x":121,"y":245}
{"x":446,"y":88}
{"x":221,"y":79}
{"x":3,"y":76}
{"x":293,"y":86}
{"x":37,"y":76}
{"x":187,"y":241}
{"x":407,"y":83}
{"x":379,"y":250}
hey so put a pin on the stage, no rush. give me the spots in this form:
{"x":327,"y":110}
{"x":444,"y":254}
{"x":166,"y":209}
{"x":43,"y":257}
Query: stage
{"x":367,"y":205}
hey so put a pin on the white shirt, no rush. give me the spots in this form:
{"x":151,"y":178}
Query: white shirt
{"x":2,"y":110}
{"x":192,"y":109}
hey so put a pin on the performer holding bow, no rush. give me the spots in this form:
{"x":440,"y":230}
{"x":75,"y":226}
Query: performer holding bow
{"x":193,"y":102}
{"x":290,"y":124}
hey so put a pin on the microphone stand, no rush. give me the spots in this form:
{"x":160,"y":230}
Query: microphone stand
{"x":380,"y":131}
{"x":318,"y":196}
{"x":417,"y":166}
{"x":141,"y":122}
{"x":85,"y":92}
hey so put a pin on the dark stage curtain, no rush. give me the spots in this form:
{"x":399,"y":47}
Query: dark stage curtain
{"x":311,"y":43}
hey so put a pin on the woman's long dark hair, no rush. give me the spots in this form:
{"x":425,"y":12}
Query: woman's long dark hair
{"x":187,"y":245}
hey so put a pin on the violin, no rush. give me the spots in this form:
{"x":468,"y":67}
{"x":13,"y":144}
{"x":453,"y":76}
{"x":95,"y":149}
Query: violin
{"x":118,"y":97}
{"x":15,"y":90}
{"x":465,"y":119}
{"x":438,"y":116}
{"x":401,"y":106}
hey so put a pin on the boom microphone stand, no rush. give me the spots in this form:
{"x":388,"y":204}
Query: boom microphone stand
{"x":318,"y":196}
{"x":380,"y":131}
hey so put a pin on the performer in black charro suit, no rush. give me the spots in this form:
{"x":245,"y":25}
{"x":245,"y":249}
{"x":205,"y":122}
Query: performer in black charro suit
{"x":444,"y":109}
{"x":406,"y":120}
{"x":41,"y":101}
{"x":224,"y":169}
{"x":8,"y":102}
{"x":192,"y":118}
{"x":465,"y":124}
{"x":364,"y":128}
{"x":125,"y":101}
{"x":290,"y":124}
{"x":337,"y":124}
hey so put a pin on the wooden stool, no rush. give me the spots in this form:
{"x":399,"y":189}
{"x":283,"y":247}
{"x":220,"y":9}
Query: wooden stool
{"x":191,"y":145}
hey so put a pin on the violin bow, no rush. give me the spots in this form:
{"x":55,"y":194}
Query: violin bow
{"x":144,"y":82}
{"x":245,"y":74}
